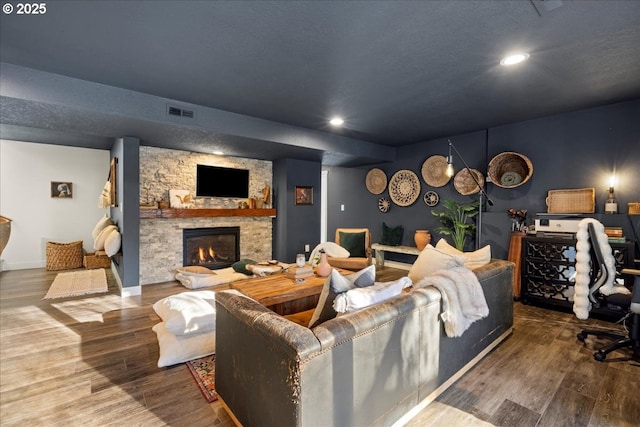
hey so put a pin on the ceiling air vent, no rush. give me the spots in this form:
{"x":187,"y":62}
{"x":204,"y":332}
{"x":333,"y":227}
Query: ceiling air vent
{"x":179,"y":112}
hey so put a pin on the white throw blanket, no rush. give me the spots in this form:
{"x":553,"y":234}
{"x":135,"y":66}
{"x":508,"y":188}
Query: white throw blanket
{"x":581,"y":303}
{"x":463,"y":301}
{"x":332,"y":249}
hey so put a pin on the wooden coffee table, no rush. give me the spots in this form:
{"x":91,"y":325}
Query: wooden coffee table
{"x":281,"y":294}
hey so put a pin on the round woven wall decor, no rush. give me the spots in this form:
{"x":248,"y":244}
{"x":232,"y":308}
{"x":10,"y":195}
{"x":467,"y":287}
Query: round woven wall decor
{"x":464,"y":183}
{"x":434,"y":171}
{"x":404,"y":187}
{"x":510,"y":169}
{"x":376,"y":181}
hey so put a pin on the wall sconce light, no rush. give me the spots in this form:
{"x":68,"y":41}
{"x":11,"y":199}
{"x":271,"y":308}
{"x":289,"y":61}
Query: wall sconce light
{"x":611,"y":205}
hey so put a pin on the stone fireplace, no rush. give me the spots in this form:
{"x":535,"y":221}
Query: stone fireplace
{"x":211,"y":247}
{"x":161,"y":239}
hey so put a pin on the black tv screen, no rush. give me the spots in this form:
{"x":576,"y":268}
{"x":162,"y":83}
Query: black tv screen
{"x":214,"y":181}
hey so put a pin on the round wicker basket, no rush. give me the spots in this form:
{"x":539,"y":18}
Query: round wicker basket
{"x":465,"y":184}
{"x":5,"y":232}
{"x":510,"y":169}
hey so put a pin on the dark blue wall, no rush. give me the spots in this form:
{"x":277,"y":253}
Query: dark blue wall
{"x":127,"y":151}
{"x":572,"y":150}
{"x":295,"y":225}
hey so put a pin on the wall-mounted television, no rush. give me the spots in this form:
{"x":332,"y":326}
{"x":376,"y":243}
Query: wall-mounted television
{"x":214,"y":181}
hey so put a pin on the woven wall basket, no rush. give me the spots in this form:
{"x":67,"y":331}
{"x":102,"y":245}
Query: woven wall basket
{"x":64,"y":256}
{"x":510,"y":169}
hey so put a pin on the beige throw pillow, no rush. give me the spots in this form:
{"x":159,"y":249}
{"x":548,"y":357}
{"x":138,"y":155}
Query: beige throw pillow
{"x":431,"y":260}
{"x":474,"y":259}
{"x":112,"y":243}
{"x":98,"y":243}
{"x":102,"y":223}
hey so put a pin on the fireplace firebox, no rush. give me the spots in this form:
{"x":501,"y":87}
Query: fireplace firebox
{"x":214,"y":248}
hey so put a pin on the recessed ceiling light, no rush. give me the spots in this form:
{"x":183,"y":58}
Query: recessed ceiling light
{"x":514,"y":59}
{"x":218,"y":153}
{"x":336,"y":121}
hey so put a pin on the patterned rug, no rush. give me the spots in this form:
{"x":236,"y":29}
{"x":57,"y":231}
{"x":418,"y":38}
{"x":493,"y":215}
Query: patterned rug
{"x":74,"y":283}
{"x":204,"y":372}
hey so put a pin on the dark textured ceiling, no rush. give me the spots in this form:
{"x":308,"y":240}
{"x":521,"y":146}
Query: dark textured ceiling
{"x":399,"y":72}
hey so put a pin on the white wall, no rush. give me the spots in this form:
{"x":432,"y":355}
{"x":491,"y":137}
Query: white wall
{"x":26,"y":172}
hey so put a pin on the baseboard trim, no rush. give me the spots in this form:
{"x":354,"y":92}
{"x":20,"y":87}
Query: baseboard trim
{"x":455,"y":377}
{"x":125,"y":292}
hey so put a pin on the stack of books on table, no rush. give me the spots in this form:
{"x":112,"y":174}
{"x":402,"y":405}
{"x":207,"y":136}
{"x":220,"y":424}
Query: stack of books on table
{"x":614,"y":234}
{"x":299,"y":272}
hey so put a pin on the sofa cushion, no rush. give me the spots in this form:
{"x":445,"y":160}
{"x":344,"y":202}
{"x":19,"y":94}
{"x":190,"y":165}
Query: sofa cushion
{"x":474,"y":259}
{"x":356,"y":299}
{"x":354,"y":243}
{"x":431,"y":260}
{"x":336,"y":284}
{"x":188,"y":312}
{"x":391,"y":236}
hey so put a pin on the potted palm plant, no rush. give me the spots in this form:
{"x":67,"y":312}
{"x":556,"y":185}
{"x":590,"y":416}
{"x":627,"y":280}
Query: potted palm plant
{"x":454,"y":219}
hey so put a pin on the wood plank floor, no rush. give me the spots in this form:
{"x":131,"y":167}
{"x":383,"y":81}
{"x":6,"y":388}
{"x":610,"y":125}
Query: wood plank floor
{"x":91,"y":361}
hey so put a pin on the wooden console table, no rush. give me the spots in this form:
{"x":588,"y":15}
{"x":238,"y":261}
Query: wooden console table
{"x":381,"y":249}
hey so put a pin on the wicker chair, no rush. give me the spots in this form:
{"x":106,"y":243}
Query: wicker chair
{"x":355,"y":262}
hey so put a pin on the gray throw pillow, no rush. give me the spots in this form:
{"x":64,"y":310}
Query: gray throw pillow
{"x":336,"y":284}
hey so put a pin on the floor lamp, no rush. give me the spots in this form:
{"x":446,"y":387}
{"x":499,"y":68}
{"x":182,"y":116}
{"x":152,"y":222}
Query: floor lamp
{"x":450,"y":171}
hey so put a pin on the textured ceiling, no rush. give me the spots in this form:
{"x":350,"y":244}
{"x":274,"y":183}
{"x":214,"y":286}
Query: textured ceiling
{"x":399,"y":72}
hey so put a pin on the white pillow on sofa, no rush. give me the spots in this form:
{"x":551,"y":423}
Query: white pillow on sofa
{"x":431,"y":260}
{"x":176,"y":349}
{"x":475,"y":259}
{"x":356,"y":299}
{"x":188,"y":312}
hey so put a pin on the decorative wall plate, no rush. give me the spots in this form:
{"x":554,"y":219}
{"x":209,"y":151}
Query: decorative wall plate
{"x":384,"y":204}
{"x":434,"y":171}
{"x":404,"y":187}
{"x":431,"y":198}
{"x":376,"y":181}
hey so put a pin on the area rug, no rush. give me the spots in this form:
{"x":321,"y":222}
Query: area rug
{"x":74,"y":283}
{"x":203,"y":371}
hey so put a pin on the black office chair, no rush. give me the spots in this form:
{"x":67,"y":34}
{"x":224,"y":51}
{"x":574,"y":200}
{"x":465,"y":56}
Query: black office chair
{"x":629,"y":304}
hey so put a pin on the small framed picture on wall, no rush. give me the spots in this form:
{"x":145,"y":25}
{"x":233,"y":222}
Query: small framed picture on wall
{"x":61,"y":189}
{"x":304,"y":195}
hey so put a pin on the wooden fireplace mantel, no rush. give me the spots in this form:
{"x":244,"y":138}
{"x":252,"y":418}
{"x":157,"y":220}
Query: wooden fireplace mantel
{"x":203,"y":213}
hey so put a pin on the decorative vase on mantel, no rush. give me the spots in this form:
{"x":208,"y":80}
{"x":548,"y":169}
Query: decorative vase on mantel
{"x":422,"y":238}
{"x":323,"y":269}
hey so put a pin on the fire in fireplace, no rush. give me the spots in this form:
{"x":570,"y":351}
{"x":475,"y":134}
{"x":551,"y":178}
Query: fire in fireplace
{"x":216,"y":247}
